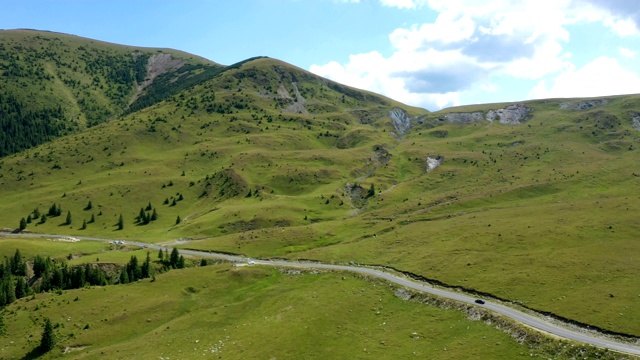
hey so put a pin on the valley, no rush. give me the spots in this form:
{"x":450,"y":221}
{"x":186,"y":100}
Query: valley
{"x":532,"y":202}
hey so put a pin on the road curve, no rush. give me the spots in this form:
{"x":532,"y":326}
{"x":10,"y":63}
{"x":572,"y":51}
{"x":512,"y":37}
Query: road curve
{"x":514,"y":314}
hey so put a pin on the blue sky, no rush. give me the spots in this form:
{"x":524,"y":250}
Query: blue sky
{"x":427,"y":53}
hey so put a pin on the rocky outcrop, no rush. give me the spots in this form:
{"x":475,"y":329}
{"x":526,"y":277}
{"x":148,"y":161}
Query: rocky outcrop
{"x":512,"y":114}
{"x":635,"y":120}
{"x":464,"y":118}
{"x":434,"y":161}
{"x":401,"y":121}
{"x":583,"y":105}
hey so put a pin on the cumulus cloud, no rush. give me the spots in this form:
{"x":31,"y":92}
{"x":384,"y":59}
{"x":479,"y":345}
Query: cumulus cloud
{"x":622,"y":16}
{"x":628,"y":53}
{"x":472,"y":42}
{"x":403,"y":4}
{"x":602,"y":76}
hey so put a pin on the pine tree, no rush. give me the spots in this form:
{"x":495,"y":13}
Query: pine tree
{"x":154,"y":215}
{"x":124,"y":277}
{"x":43,"y":219}
{"x":142,"y":217}
{"x":68,"y":221}
{"x":145,"y":269}
{"x":160,"y":255}
{"x":89,"y":206}
{"x":174,"y":258}
{"x":120,"y":223}
{"x":166,"y":201}
{"x":149,"y":207}
{"x":178,"y":220}
{"x":17,"y":264}
{"x":48,"y":340}
{"x":36,"y":213}
{"x":21,"y":287}
{"x":29,"y":219}
{"x":84,"y":225}
{"x":372,"y":191}
{"x":181,"y":262}
{"x":93,"y":219}
{"x":173,"y":203}
{"x":23,"y":224}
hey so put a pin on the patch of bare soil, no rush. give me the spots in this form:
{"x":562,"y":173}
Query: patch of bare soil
{"x":157,"y":65}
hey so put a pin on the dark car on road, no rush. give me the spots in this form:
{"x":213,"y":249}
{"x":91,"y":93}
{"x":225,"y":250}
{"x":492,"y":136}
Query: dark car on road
{"x":478,"y":301}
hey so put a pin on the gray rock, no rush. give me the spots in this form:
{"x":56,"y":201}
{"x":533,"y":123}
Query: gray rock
{"x":635,"y":120}
{"x":512,"y":114}
{"x":464,"y":118}
{"x":401,"y":120}
{"x":583,"y":105}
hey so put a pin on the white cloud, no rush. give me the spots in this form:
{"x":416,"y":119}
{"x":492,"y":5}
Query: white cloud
{"x":628,"y":53}
{"x":602,"y":76}
{"x":472,"y":42}
{"x":403,"y":4}
{"x":622,"y":27}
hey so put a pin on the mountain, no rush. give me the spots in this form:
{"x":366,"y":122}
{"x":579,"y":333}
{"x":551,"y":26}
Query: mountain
{"x":532,"y":202}
{"x":55,"y":84}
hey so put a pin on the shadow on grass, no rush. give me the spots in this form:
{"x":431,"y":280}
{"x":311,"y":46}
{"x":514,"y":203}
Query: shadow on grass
{"x":34,"y":354}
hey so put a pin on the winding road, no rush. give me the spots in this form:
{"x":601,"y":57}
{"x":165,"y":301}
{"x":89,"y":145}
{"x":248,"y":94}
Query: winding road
{"x":519,"y":316}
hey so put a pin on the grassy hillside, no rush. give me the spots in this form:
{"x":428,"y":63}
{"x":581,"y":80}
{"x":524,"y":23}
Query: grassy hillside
{"x":253,"y":312}
{"x":55,"y":84}
{"x":267,"y":160}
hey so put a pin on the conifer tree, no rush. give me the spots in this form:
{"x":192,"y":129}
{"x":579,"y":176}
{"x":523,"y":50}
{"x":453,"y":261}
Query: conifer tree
{"x":23,"y":224}
{"x":178,"y":220}
{"x":84,"y":225}
{"x":174,"y":258}
{"x":48,"y":340}
{"x":120,"y":223}
{"x":68,"y":221}
{"x":154,"y":215}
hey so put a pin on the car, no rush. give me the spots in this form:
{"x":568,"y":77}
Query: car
{"x":479,"y":301}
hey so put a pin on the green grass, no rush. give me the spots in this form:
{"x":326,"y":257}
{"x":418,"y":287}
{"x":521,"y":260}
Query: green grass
{"x":251,"y":312}
{"x":543,"y":213}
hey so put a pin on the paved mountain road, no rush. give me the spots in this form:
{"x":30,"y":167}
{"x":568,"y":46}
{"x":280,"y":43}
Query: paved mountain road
{"x":519,"y":316}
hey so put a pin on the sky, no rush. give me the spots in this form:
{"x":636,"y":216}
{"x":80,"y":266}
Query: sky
{"x":427,"y":53}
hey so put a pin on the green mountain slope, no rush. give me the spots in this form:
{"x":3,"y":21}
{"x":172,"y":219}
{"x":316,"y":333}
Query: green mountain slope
{"x":54,"y":84}
{"x":531,"y":202}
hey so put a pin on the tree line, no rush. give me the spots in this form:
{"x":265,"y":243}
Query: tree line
{"x":47,"y":274}
{"x":23,"y":128}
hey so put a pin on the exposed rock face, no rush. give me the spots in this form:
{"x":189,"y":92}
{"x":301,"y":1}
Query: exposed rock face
{"x":583,"y":105}
{"x":434,"y":161}
{"x":512,"y":114}
{"x":401,"y":120}
{"x":157,"y":65}
{"x":464,"y":118}
{"x":635,"y":120}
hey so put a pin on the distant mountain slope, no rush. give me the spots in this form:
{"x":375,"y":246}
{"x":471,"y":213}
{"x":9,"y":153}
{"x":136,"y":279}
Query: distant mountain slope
{"x":54,"y":84}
